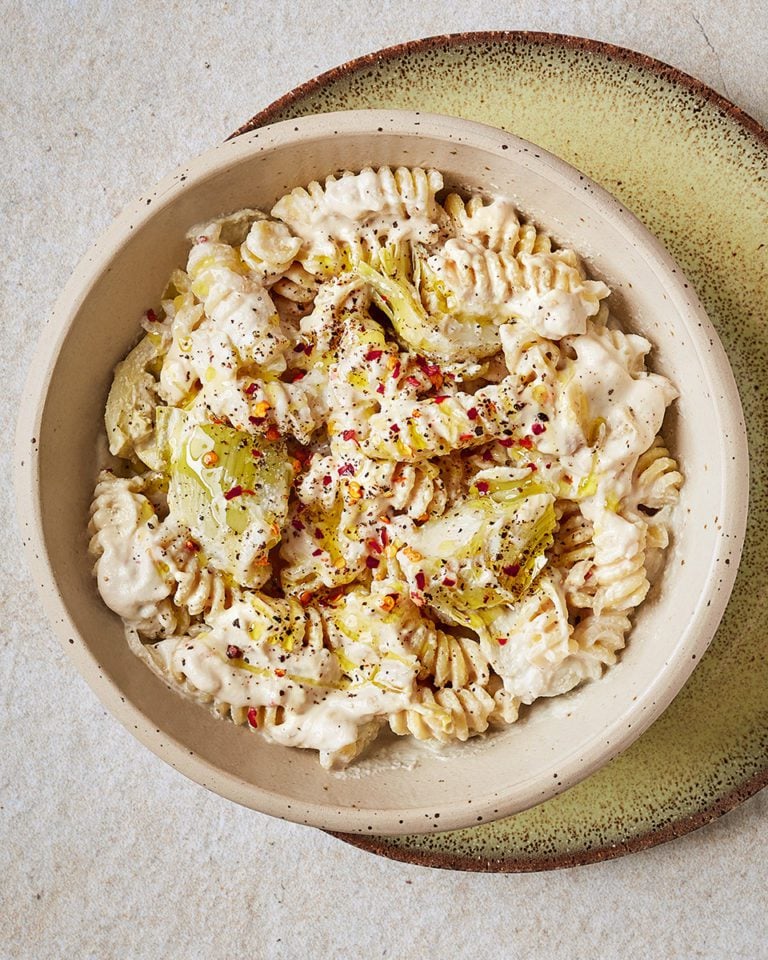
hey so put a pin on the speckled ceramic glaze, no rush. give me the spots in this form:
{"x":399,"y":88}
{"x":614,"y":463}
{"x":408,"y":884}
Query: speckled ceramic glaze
{"x":694,"y":168}
{"x":560,"y":741}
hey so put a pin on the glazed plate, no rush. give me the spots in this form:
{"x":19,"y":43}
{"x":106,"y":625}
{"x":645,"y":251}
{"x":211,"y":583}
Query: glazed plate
{"x":694,"y":169}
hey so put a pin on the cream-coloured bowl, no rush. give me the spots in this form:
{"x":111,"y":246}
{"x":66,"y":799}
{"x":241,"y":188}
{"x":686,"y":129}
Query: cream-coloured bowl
{"x":560,"y":741}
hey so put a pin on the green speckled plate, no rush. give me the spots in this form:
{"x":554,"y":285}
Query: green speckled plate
{"x":694,"y":168}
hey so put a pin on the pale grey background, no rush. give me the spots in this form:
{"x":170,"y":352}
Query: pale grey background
{"x":106,"y":852}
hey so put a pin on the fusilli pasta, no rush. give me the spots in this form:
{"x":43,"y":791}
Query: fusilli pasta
{"x":387,"y":459}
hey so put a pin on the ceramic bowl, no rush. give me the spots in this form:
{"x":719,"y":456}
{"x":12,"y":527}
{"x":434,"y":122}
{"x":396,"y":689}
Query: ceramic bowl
{"x":558,"y":742}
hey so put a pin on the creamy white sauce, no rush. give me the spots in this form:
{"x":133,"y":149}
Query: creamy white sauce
{"x":373,"y":206}
{"x":421,"y":481}
{"x":127,"y":543}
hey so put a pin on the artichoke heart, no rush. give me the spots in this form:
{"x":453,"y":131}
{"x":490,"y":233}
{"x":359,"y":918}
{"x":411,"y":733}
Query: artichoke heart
{"x":130,"y":411}
{"x":400,"y":288}
{"x":229,"y":488}
{"x":486,"y":551}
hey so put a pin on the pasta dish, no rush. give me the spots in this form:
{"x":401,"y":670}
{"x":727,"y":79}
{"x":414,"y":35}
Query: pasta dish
{"x":381,"y":457}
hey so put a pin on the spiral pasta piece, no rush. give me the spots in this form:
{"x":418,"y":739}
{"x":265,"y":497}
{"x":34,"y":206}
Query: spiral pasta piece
{"x":372,"y":205}
{"x":177,"y":585}
{"x":494,"y":225}
{"x":297,"y":285}
{"x":602,"y":636}
{"x":547,"y":290}
{"x":417,"y":489}
{"x":573,"y":555}
{"x":573,"y":543}
{"x":296,"y":409}
{"x":445,"y":714}
{"x":619,"y":562}
{"x":237,"y":304}
{"x":200,"y":589}
{"x":343,"y":519}
{"x":506,"y":710}
{"x":629,"y":348}
{"x":657,"y":479}
{"x":261,"y":718}
{"x":452,"y":661}
{"x":269,"y":250}
{"x":410,"y":430}
{"x":350,"y":219}
{"x":124,"y":530}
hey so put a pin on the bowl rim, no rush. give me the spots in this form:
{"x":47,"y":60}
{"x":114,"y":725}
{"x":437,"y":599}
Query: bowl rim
{"x":670,"y":675}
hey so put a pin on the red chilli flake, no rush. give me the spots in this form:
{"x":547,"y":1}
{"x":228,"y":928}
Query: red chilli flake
{"x":442,"y":399}
{"x":317,"y":553}
{"x":394,"y":428}
{"x":346,"y":471}
{"x":431,"y":369}
{"x":525,"y":442}
{"x":297,"y":524}
{"x":532,"y":467}
{"x":464,"y":437}
{"x":396,"y":370}
{"x":374,"y":354}
{"x":279,"y":672}
{"x":192,"y":545}
{"x":257,"y":454}
{"x":420,"y":580}
{"x":235,"y":491}
{"x":505,"y":442}
{"x":151,"y":316}
{"x":349,"y":434}
{"x":501,"y":641}
{"x":256,"y":420}
{"x":234,"y":653}
{"x":272,"y":434}
{"x":327,"y":480}
{"x":298,"y":375}
{"x":380,"y":388}
{"x":384,"y":536}
{"x":318,"y":533}
{"x":482,"y":487}
{"x":472,"y":413}
{"x":253,"y":717}
{"x":375,"y":546}
{"x":511,"y":570}
{"x":371,"y":563}
{"x":251,"y":389}
{"x":413,"y":381}
{"x":448,"y":582}
{"x":537,"y":428}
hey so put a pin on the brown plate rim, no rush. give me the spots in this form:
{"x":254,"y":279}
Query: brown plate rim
{"x":610,"y":50}
{"x":723,"y":804}
{"x":671,"y":831}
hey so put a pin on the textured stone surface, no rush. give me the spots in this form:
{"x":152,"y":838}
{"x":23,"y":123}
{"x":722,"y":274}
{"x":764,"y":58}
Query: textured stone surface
{"x":106,"y":852}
